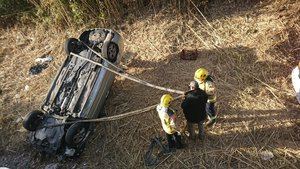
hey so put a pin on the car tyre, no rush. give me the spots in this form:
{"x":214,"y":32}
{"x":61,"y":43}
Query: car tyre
{"x":76,"y":134}
{"x":112,"y":52}
{"x":71,"y":45}
{"x":33,"y":119}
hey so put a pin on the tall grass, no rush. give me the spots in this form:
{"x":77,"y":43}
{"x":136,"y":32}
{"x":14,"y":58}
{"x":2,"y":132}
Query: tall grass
{"x":105,"y":12}
{"x":8,"y":7}
{"x":13,"y":10}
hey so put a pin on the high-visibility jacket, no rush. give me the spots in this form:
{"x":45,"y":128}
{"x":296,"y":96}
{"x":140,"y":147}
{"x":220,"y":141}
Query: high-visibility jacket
{"x":167,"y":117}
{"x":296,"y":82}
{"x":209,"y":87}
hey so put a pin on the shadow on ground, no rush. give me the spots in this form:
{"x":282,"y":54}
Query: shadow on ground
{"x":126,"y":140}
{"x":121,"y":144}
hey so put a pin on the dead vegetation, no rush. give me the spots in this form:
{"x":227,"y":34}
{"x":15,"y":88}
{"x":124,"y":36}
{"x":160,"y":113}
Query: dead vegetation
{"x":249,"y":49}
{"x":66,"y":14}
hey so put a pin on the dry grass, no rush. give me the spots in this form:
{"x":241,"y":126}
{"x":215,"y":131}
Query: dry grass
{"x":250,"y":52}
{"x":64,"y":14}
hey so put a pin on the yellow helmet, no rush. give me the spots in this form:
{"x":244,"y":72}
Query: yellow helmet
{"x":201,"y":74}
{"x":165,"y":100}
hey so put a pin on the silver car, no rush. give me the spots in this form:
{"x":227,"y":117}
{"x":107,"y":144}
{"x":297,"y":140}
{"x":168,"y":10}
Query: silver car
{"x":79,"y":91}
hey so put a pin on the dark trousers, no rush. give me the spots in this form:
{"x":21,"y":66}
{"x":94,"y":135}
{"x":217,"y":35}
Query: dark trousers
{"x":191,"y":130}
{"x":210,"y":109}
{"x":174,"y":140}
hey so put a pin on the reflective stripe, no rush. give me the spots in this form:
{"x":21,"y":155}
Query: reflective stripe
{"x":213,"y":117}
{"x":212,"y":99}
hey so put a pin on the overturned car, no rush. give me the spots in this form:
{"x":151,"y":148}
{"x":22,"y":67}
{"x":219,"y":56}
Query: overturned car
{"x":79,"y":91}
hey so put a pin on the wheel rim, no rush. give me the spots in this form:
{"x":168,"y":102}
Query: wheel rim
{"x":112,"y":51}
{"x":79,"y":136}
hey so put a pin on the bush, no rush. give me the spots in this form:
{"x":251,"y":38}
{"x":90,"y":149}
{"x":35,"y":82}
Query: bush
{"x":62,"y":13}
{"x":8,"y":7}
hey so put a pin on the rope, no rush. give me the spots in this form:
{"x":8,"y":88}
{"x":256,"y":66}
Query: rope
{"x":128,"y":76}
{"x":122,"y":74}
{"x":111,"y":118}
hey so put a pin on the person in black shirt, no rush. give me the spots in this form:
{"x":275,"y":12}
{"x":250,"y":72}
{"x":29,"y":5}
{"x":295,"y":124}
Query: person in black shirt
{"x":194,"y":109}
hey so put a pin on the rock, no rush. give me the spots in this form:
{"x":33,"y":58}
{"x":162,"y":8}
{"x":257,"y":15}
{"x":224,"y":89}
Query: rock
{"x":26,"y":88}
{"x":266,"y":155}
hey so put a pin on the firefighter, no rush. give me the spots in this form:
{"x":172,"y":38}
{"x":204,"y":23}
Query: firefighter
{"x":206,"y":83}
{"x":168,"y":117}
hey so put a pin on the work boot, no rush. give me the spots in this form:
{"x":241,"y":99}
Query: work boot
{"x":211,"y":122}
{"x":201,"y":136}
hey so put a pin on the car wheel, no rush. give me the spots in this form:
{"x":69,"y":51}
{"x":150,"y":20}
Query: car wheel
{"x":76,"y":134}
{"x":84,"y":37}
{"x":112,"y":52}
{"x":33,"y":120}
{"x":71,"y":45}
